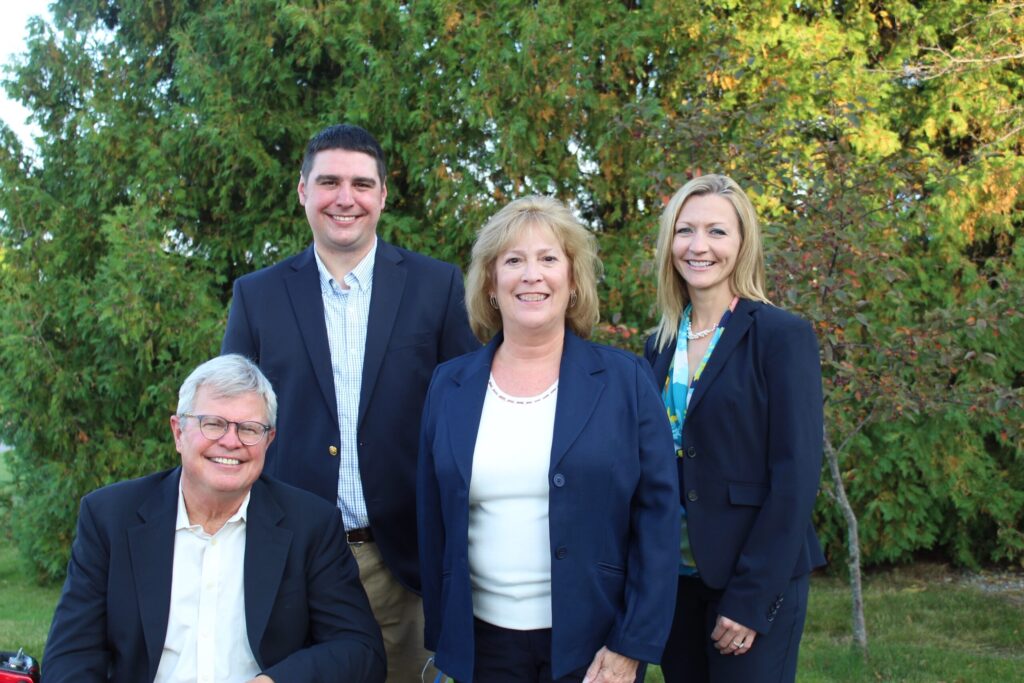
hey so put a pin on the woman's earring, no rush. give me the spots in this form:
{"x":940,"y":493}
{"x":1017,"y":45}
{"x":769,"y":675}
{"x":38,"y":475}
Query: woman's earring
{"x":494,"y":302}
{"x":572,"y":298}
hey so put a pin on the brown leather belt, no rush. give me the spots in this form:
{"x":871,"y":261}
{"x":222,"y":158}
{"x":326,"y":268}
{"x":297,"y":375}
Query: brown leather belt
{"x":364,"y":535}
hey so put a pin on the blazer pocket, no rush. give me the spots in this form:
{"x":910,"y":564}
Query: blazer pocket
{"x":747,"y":494}
{"x":611,"y":569}
{"x":406,"y":340}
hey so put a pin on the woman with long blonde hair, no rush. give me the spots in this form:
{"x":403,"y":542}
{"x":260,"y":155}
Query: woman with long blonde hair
{"x":741,"y":383}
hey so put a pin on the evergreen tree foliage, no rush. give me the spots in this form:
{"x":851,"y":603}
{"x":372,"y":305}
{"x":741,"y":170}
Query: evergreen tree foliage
{"x":882,"y":141}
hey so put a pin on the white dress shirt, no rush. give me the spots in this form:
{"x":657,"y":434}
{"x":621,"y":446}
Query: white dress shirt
{"x":346,"y":312}
{"x":206,"y":638}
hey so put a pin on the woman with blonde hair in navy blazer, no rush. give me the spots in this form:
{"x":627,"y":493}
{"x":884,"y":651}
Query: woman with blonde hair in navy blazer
{"x":547,"y":493}
{"x":741,"y":383}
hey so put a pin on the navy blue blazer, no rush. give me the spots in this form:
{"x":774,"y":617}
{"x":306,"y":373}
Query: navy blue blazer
{"x":417,"y":320}
{"x":613,"y":510}
{"x":752,"y":449}
{"x":307,"y":616}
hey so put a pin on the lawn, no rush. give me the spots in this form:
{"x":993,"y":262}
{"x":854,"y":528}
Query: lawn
{"x":27,"y":606}
{"x":924,"y":624}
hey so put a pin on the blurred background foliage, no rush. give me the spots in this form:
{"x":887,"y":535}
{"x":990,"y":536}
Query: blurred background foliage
{"x":882,"y":142}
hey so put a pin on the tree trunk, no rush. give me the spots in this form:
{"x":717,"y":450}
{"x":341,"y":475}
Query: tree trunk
{"x":860,"y":633}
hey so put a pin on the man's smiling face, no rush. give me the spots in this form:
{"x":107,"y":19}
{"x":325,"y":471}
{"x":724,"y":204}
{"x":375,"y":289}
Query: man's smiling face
{"x":214,"y":472}
{"x":343,"y":197}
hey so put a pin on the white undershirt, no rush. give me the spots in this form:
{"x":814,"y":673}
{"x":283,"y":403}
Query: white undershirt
{"x":206,"y":636}
{"x":509,"y":539}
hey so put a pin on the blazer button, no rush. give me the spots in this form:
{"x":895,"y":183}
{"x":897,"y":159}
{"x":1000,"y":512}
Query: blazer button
{"x":561,"y":552}
{"x":691,"y":496}
{"x":333,"y":450}
{"x":691,"y":452}
{"x":559,"y":480}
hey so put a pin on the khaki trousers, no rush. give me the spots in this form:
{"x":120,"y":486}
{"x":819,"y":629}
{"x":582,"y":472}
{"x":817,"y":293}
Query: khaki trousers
{"x":399,"y":612}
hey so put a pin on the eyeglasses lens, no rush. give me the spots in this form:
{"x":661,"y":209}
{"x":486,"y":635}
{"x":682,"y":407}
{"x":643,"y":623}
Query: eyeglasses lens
{"x":249,"y":433}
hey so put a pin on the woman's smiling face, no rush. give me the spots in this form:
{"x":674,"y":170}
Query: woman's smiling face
{"x":532,"y":279}
{"x":706,"y":243}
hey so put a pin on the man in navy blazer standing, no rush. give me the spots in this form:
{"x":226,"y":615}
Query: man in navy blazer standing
{"x":211,"y":572}
{"x":349,"y":331}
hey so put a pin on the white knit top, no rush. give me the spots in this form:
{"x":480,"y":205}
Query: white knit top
{"x":509,"y":541}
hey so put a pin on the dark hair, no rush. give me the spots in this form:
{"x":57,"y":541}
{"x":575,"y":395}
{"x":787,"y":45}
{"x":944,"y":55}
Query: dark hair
{"x":347,"y":137}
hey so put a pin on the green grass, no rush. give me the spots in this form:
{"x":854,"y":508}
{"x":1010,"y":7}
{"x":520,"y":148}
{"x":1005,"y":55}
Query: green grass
{"x":27,"y":607}
{"x":922,"y":626}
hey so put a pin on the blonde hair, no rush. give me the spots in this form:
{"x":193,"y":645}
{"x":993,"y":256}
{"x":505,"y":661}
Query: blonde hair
{"x":747,"y":278}
{"x":498,"y":234}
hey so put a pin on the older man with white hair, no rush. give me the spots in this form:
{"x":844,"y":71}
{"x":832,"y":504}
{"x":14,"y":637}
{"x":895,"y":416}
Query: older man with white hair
{"x":210,"y":571}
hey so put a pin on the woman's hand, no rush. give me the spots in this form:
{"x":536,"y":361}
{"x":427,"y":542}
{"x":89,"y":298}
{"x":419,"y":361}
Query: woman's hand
{"x":609,"y":667}
{"x":732,"y":638}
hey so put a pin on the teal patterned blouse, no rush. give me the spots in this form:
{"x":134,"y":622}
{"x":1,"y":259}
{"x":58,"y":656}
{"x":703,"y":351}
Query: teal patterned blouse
{"x":676,"y":395}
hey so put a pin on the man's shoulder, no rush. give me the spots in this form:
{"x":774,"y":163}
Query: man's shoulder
{"x":421,"y":264}
{"x":280,"y":269}
{"x":293,"y":499}
{"x":127,"y":495}
{"x":417,"y":260}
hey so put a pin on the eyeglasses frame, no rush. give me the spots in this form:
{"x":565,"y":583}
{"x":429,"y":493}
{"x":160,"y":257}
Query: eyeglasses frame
{"x":199,"y":421}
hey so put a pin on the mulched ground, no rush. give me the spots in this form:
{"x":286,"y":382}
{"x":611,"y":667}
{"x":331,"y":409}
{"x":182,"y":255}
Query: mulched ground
{"x":1009,"y":583}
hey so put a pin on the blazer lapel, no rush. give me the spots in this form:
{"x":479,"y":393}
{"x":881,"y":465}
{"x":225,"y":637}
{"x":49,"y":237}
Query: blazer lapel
{"x":266,"y":553}
{"x":308,"y":304}
{"x":661,"y":363}
{"x":151,"y":549}
{"x":579,"y":390}
{"x":388,"y":284}
{"x":737,"y":328}
{"x":465,"y":405}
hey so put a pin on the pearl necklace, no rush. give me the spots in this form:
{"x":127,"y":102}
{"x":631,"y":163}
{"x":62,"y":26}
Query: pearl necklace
{"x":525,"y":401}
{"x":693,"y":336}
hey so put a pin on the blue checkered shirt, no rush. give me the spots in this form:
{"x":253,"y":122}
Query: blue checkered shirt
{"x":345,"y":313}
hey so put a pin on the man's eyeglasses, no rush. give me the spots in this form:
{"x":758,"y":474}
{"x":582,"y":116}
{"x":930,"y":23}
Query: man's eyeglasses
{"x":214,"y":427}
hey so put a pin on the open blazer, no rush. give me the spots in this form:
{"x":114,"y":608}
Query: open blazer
{"x":305,"y":611}
{"x":613,"y":508}
{"x":417,"y":319}
{"x":752,"y":447}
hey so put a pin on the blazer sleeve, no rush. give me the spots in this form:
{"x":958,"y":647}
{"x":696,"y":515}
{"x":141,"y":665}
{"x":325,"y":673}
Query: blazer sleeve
{"x":795,"y":442}
{"x":238,"y":337}
{"x":457,"y":337}
{"x":346,"y":643}
{"x":640,"y":631}
{"x":430,"y":523}
{"x":76,"y":648}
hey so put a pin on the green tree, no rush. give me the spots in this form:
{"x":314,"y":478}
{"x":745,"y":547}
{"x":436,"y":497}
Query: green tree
{"x":881,"y":142}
